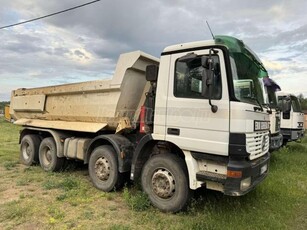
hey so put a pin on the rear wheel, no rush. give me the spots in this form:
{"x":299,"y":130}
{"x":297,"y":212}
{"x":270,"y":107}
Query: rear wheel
{"x":48,"y":158}
{"x":165,"y":180}
{"x":29,"y":148}
{"x":103,"y":169}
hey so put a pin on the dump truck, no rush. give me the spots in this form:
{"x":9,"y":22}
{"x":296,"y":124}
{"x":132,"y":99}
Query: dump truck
{"x":292,"y":117}
{"x":7,"y":114}
{"x":271,"y":88}
{"x":276,"y":137}
{"x":175,"y":124}
{"x":270,"y":105}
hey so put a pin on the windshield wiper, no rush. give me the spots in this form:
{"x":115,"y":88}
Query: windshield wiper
{"x":268,"y":107}
{"x":258,"y":102}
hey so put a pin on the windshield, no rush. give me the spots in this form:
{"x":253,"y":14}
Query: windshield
{"x":246,"y":71}
{"x":272,"y":97}
{"x":296,"y":106}
{"x":270,"y":87}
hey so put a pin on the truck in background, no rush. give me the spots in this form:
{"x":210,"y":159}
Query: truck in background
{"x":7,"y":114}
{"x":270,"y":104}
{"x":292,"y":117}
{"x":176,"y":123}
{"x":271,"y":87}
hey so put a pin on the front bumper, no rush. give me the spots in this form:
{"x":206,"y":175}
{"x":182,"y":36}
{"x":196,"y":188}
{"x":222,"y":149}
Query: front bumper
{"x":275,"y":142}
{"x":253,"y":169}
{"x":292,"y":134}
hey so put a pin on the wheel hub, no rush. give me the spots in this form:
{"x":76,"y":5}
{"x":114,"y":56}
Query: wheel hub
{"x":47,"y":156}
{"x":102,"y":169}
{"x":163,"y":183}
{"x":26,"y":151}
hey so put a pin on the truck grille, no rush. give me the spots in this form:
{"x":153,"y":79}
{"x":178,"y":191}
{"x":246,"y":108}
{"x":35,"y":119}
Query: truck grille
{"x":257,"y":144}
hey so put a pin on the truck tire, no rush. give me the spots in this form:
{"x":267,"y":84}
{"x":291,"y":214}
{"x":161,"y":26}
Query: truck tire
{"x":48,"y":158}
{"x":29,"y":148}
{"x":103,"y":169}
{"x":165,"y":180}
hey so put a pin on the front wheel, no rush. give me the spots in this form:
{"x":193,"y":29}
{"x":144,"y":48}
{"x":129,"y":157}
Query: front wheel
{"x":165,"y":180}
{"x":103,"y":169}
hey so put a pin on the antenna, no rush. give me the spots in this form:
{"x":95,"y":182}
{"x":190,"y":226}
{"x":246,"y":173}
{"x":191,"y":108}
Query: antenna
{"x":210,"y":29}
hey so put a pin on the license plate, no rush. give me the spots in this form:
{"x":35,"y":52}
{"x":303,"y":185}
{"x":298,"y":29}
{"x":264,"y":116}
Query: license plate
{"x":263,"y":169}
{"x":261,"y":125}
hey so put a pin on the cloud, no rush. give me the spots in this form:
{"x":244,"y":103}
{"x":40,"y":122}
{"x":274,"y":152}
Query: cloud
{"x":84,"y":44}
{"x":277,"y":66}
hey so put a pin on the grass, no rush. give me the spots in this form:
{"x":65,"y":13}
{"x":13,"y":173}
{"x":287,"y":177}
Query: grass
{"x":33,"y":199}
{"x":137,"y":201}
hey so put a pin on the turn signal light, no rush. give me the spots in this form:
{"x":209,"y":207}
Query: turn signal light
{"x":142,"y":119}
{"x":234,"y":174}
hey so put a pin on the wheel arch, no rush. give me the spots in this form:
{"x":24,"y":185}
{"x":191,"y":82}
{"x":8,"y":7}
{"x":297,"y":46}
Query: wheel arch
{"x":122,"y":146}
{"x":27,"y":131}
{"x":146,"y":148}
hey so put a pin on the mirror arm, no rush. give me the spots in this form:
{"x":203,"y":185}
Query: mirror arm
{"x":214,"y":108}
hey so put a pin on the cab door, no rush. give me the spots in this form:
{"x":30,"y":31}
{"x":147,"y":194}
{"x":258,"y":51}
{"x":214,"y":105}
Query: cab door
{"x":190,"y":123}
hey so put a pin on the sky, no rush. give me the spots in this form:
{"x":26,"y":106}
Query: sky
{"x":84,"y":44}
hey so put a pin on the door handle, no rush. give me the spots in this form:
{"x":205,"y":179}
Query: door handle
{"x":173,"y":131}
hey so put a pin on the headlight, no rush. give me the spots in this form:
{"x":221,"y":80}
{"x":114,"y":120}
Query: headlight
{"x":245,"y":183}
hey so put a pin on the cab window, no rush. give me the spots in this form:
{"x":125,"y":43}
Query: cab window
{"x":188,"y":79}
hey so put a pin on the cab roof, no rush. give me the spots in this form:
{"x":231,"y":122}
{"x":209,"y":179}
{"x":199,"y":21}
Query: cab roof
{"x":232,"y":43}
{"x":188,"y":45}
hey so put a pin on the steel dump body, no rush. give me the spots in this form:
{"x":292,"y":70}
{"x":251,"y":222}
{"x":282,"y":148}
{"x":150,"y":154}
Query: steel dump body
{"x":88,"y":106}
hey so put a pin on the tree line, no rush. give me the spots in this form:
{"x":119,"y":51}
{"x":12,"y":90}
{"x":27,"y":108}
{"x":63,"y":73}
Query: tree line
{"x":3,"y":103}
{"x":303,"y":101}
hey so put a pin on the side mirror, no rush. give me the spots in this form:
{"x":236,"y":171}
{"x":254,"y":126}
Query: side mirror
{"x":205,"y":62}
{"x":207,"y":79}
{"x":207,"y":75}
{"x":152,"y":73}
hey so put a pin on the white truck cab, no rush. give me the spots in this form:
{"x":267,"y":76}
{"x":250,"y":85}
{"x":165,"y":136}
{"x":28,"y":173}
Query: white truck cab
{"x":292,"y":117}
{"x":223,"y":134}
